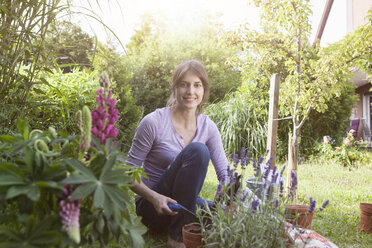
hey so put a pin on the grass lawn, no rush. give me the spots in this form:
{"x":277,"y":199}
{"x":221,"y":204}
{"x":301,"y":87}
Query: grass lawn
{"x":345,"y":187}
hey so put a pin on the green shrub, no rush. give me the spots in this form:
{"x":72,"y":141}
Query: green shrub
{"x":241,"y":121}
{"x":55,"y":100}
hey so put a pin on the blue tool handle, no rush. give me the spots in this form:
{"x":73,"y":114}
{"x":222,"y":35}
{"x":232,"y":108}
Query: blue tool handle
{"x":175,"y":207}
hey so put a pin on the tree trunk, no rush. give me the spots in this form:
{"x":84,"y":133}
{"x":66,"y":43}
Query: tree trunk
{"x":292,"y":164}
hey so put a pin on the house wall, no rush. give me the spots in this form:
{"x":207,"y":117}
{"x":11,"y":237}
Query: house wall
{"x":356,"y":12}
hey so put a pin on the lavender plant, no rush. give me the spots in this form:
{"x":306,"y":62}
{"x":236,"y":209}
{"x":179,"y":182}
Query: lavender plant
{"x":258,"y":218}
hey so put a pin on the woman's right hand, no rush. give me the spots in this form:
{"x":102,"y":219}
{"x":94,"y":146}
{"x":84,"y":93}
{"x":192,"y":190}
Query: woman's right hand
{"x":160,"y":203}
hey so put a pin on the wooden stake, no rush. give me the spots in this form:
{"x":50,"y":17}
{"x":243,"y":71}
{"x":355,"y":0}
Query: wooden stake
{"x":272,"y":129}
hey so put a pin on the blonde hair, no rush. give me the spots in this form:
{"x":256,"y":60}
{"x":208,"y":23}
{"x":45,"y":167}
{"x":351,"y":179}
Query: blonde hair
{"x":199,"y":70}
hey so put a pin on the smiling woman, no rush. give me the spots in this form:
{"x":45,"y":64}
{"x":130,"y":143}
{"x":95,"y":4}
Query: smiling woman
{"x":174,"y":145}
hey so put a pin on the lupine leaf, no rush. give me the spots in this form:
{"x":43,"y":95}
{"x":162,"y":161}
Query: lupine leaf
{"x":83,"y":191}
{"x":80,"y":167}
{"x":99,"y":196}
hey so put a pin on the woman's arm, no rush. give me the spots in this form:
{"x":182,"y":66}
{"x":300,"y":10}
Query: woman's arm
{"x":142,"y":143}
{"x":159,"y":201}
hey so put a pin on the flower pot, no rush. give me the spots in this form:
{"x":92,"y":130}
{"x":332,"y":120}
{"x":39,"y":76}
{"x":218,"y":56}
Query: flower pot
{"x":299,"y":215}
{"x":191,"y":235}
{"x":263,"y":189}
{"x":366,"y":217}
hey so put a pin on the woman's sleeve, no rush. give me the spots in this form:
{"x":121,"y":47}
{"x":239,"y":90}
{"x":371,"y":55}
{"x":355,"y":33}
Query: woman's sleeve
{"x":142,"y":141}
{"x":217,"y":152}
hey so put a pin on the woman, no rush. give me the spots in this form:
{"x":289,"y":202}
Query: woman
{"x":174,"y":145}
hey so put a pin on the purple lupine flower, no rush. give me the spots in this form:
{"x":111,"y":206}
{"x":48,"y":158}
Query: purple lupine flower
{"x":325,"y":204}
{"x":276,"y":203}
{"x":105,"y":115}
{"x":69,"y":212}
{"x":312,"y":205}
{"x":255,"y":204}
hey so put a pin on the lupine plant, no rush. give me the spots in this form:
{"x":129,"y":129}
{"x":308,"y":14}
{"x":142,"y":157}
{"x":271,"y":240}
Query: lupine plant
{"x":61,"y":190}
{"x":258,"y":217}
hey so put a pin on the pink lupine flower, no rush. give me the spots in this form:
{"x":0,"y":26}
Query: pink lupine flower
{"x":105,"y":115}
{"x":69,"y":212}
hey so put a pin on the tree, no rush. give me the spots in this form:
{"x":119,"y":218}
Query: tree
{"x":23,"y":28}
{"x":310,"y":75}
{"x":156,"y":49}
{"x":71,"y":46}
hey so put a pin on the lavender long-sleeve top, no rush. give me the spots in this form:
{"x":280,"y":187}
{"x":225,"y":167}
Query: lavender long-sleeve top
{"x":157,"y":143}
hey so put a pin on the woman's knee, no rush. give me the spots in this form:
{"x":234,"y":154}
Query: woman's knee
{"x":199,"y":152}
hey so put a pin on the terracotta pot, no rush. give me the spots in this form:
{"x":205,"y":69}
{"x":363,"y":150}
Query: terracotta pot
{"x":191,"y":235}
{"x":366,"y":217}
{"x":299,"y":215}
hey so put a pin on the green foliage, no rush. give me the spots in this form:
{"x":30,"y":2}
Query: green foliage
{"x":156,"y":49}
{"x":36,"y":165}
{"x":56,"y":99}
{"x":71,"y":47}
{"x":332,"y":122}
{"x":23,"y":28}
{"x":347,"y":154}
{"x":242,"y":121}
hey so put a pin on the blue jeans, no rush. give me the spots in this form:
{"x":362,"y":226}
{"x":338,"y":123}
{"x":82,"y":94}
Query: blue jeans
{"x":182,"y":181}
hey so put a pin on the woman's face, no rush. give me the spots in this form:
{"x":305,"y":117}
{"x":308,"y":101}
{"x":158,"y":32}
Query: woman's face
{"x":189,"y":91}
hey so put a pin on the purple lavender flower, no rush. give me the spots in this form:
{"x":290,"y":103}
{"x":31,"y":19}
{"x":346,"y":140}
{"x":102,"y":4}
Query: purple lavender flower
{"x":281,"y":187}
{"x":260,"y":160}
{"x":294,"y":180}
{"x":325,"y":204}
{"x":236,"y":160}
{"x":266,"y":173}
{"x":282,"y":170}
{"x":255,"y":204}
{"x":300,"y":161}
{"x":105,"y":115}
{"x":312,"y":205}
{"x":270,"y":161}
{"x":69,"y":212}
{"x":242,"y":157}
{"x":274,"y":175}
{"x":293,"y":183}
{"x":276,"y":203}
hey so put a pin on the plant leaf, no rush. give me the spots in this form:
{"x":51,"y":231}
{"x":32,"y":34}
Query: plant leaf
{"x":80,"y":167}
{"x":115,"y":177}
{"x":83,"y":191}
{"x":22,"y":126}
{"x":10,"y":179}
{"x":79,"y":179}
{"x":99,"y":197}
